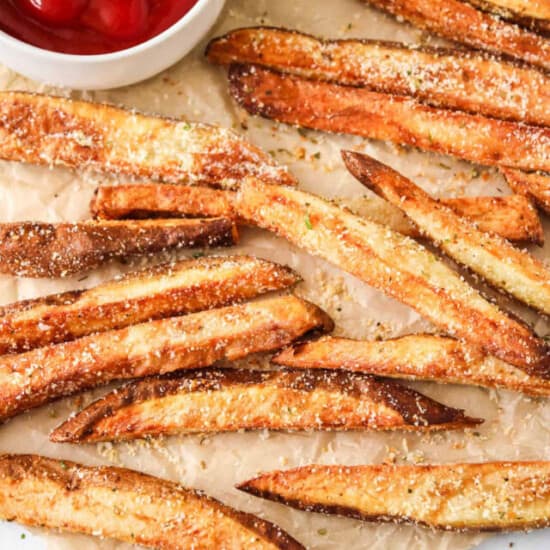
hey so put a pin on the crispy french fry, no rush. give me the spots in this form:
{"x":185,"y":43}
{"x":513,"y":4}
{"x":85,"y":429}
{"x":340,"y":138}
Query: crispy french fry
{"x":182,"y":287}
{"x":455,"y":79}
{"x":504,"y":266}
{"x":344,"y":109}
{"x":126,"y":505}
{"x":40,"y":249}
{"x":491,"y":496}
{"x":42,"y":375}
{"x":145,"y":200}
{"x":461,"y":22}
{"x":414,"y":357}
{"x":51,"y":130}
{"x":394,"y":264}
{"x":533,"y":185}
{"x":229,"y":400}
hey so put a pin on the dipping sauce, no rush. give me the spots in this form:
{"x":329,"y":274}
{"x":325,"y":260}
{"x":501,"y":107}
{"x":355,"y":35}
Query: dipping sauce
{"x":88,"y":27}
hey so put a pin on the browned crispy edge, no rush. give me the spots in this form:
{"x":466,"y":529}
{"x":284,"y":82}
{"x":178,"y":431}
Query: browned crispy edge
{"x":535,"y":186}
{"x":71,"y":476}
{"x":39,"y":249}
{"x":418,"y":411}
{"x":462,"y":22}
{"x":344,"y":109}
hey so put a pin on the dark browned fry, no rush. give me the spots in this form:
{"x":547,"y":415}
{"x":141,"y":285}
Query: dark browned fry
{"x":457,"y":79}
{"x":177,"y":288}
{"x":42,"y":375}
{"x":533,"y":185}
{"x":40,"y":249}
{"x":126,"y":505}
{"x":491,"y":496}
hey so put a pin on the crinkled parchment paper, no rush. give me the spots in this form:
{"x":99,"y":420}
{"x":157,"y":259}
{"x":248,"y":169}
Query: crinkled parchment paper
{"x":515,"y":427}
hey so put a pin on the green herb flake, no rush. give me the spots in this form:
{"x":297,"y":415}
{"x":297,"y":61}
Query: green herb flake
{"x":322,"y":532}
{"x":23,"y":536}
{"x":307,"y":221}
{"x":316,"y":155}
{"x":64,"y":465}
{"x":186,"y":126}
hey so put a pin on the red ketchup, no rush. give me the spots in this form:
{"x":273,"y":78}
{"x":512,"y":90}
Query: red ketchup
{"x":88,"y":27}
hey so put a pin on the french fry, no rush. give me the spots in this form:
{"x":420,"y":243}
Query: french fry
{"x":126,"y":505}
{"x":394,"y":264}
{"x":344,"y":109}
{"x":40,"y":249}
{"x":504,"y":266}
{"x":177,"y":288}
{"x":461,"y":22}
{"x":491,"y":496}
{"x":533,"y":185}
{"x":42,"y":129}
{"x":229,"y":400}
{"x":42,"y":375}
{"x":414,"y":357}
{"x":455,"y":79}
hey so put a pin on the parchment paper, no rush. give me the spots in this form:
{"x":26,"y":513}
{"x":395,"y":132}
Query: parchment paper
{"x":515,"y":427}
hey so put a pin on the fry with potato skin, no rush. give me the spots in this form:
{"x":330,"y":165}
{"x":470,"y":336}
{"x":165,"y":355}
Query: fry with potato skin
{"x":394,"y":264}
{"x":504,"y":266}
{"x":40,"y":249}
{"x":42,"y":129}
{"x":468,"y":81}
{"x":405,"y":121}
{"x":42,"y":375}
{"x":413,"y":357}
{"x":128,"y":506}
{"x":161,"y":291}
{"x":490,"y":496}
{"x":533,"y":185}
{"x":229,"y":400}
{"x":461,"y":22}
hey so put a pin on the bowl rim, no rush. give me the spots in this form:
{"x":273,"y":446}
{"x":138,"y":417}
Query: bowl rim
{"x":43,"y":53}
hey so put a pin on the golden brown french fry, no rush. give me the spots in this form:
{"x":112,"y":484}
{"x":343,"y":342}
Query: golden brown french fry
{"x":126,"y":505}
{"x":461,"y":22}
{"x":229,"y":400}
{"x":42,"y":375}
{"x":394,"y":264}
{"x":345,"y":109}
{"x":43,"y":129}
{"x":457,"y":79}
{"x":533,"y":185}
{"x":145,"y":200}
{"x":40,"y":249}
{"x":181,"y":287}
{"x":504,"y":266}
{"x":491,"y":496}
{"x":414,"y":357}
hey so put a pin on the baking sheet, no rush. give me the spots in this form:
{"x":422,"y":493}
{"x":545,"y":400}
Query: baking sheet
{"x":515,"y":427}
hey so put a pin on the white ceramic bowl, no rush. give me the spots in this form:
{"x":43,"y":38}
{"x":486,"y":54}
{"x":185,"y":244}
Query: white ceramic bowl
{"x":112,"y":70}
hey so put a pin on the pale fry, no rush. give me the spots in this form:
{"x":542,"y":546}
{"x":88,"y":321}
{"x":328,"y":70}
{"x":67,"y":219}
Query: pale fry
{"x":504,"y":266}
{"x":414,"y":357}
{"x":40,"y":249}
{"x":177,"y":288}
{"x":491,"y":496}
{"x":533,"y":185}
{"x":49,"y":130}
{"x":128,"y":506}
{"x":345,"y":109}
{"x":394,"y":264}
{"x":42,"y":375}
{"x":457,"y":79}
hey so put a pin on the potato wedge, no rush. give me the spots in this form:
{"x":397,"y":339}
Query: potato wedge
{"x":414,"y":357}
{"x":344,"y":109}
{"x":229,"y":400}
{"x":461,"y":22}
{"x":533,"y":185}
{"x":42,"y":375}
{"x":491,"y":496}
{"x":42,"y":129}
{"x":40,"y":249}
{"x":126,"y":505}
{"x":394,"y":264}
{"x":504,"y":266}
{"x":177,"y":288}
{"x":456,"y":79}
